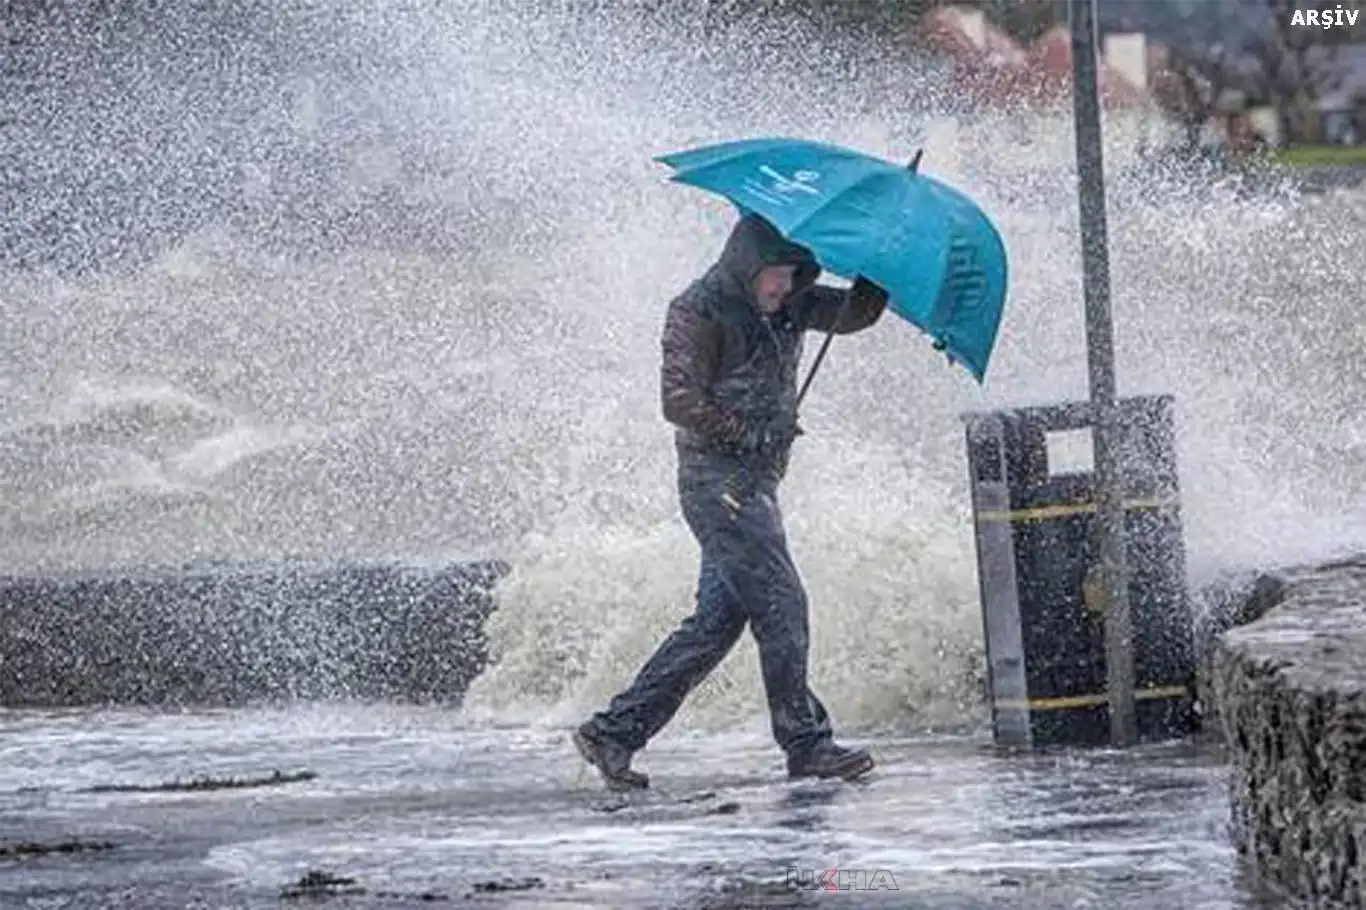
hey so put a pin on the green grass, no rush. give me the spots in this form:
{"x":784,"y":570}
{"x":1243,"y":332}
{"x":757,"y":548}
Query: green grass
{"x":1319,"y":155}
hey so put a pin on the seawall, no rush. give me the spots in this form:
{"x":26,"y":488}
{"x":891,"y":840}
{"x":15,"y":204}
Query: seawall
{"x":1285,"y":688}
{"x":227,"y":635}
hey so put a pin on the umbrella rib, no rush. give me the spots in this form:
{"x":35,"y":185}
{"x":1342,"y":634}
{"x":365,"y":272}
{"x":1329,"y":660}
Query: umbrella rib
{"x":801,"y":222}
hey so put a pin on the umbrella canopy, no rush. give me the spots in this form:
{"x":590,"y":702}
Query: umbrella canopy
{"x":936,"y":254}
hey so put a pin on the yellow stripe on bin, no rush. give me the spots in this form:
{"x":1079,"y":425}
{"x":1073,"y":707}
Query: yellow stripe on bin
{"x":1045,"y":513}
{"x":1069,"y":702}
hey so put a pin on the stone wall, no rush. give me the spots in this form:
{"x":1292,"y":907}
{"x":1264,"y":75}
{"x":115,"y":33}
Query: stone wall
{"x":1288,"y":691}
{"x":234,"y":634}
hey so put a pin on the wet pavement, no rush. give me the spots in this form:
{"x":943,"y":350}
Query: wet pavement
{"x":406,"y":808}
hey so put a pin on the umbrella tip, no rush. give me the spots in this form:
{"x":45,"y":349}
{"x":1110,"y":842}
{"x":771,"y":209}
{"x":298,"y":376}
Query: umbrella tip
{"x":915,"y":162}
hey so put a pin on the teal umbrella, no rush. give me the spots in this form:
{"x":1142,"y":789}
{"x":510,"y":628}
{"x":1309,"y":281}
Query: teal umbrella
{"x":936,"y":254}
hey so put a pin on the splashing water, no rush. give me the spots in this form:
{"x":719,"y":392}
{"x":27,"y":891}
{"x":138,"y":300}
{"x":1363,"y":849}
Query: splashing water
{"x":407,"y":302}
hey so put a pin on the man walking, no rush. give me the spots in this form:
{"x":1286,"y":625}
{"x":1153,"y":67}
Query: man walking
{"x":731,"y":348}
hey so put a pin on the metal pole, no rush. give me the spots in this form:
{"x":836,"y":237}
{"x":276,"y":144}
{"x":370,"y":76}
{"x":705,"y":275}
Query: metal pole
{"x":1119,"y":658}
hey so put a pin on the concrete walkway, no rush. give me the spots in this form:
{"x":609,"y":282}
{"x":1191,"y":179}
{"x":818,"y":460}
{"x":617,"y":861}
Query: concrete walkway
{"x":404,"y":808}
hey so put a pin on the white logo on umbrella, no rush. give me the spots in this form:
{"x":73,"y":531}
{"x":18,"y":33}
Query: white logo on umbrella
{"x":780,"y":188}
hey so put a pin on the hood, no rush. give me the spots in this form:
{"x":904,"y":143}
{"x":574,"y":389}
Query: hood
{"x":755,"y":243}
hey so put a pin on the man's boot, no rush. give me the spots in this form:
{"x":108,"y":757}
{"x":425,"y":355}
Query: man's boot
{"x":825,"y":760}
{"x":612,"y":760}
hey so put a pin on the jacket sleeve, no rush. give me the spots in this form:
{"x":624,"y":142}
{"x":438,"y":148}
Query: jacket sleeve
{"x":821,"y":307}
{"x":691,"y":356}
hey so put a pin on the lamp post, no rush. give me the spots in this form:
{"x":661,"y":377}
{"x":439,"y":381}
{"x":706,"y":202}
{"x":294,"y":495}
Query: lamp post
{"x":1100,"y":358}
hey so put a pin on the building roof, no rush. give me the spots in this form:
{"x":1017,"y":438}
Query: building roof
{"x":997,"y":70}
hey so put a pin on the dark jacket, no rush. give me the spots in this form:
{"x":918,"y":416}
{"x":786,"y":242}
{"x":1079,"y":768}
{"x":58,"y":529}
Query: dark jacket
{"x":726,"y":365}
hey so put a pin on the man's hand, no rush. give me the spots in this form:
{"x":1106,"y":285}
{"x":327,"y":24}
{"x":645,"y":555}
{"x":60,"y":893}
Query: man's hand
{"x":864,"y":294}
{"x":826,"y":309}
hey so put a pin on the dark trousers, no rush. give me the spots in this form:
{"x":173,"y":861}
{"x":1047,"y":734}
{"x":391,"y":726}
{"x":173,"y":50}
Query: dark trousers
{"x":747,"y":577}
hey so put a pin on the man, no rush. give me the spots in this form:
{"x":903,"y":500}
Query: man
{"x":731,"y":348}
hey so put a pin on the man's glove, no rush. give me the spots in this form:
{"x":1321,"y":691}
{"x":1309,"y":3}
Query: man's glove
{"x":772,"y":435}
{"x":865,"y":293}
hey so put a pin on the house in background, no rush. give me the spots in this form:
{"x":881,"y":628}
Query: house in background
{"x":1024,"y":92}
{"x":1147,"y":105}
{"x":995,"y":70}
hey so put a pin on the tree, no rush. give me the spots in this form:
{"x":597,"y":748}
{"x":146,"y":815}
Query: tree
{"x":1024,"y":20}
{"x":1190,"y":86}
{"x":1300,"y":64}
{"x":1255,"y":45}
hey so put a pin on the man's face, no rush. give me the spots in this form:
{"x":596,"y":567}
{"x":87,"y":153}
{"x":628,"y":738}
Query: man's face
{"x":772,"y":286}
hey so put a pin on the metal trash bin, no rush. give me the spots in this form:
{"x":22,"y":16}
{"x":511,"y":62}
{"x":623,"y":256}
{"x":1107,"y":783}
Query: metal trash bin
{"x":1038,"y":563}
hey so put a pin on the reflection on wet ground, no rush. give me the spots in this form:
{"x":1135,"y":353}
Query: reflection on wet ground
{"x":407,"y":805}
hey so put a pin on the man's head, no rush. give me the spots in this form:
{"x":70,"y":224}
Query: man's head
{"x":772,"y":285}
{"x":766,"y":267}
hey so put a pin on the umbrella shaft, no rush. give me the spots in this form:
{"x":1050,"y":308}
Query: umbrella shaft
{"x":820,"y":355}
